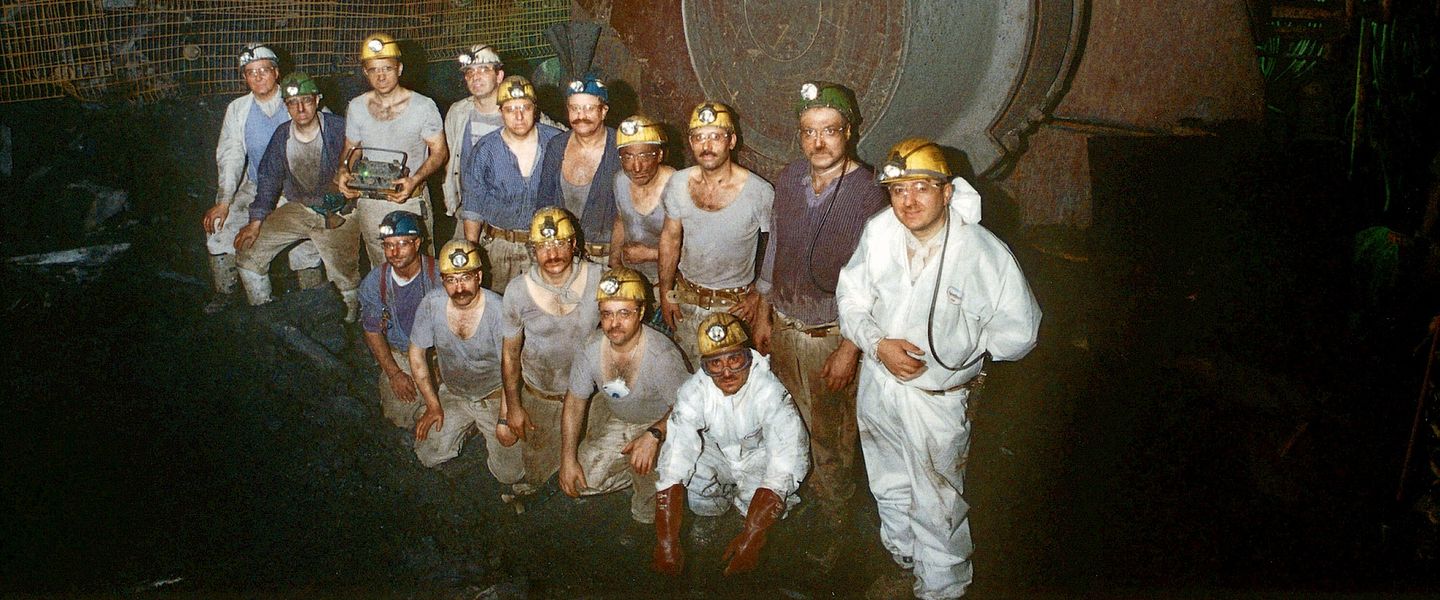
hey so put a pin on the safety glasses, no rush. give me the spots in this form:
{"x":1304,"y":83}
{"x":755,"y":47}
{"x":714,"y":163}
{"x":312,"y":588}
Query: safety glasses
{"x":724,"y":364}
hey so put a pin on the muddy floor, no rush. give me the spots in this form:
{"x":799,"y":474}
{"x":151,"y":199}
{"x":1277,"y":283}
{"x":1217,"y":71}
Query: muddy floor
{"x":1208,"y":413}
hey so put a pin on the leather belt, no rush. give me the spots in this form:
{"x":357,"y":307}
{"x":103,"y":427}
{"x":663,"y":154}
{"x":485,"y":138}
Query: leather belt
{"x":542,"y":395}
{"x":597,"y":249}
{"x":784,"y":321}
{"x":974,"y":385}
{"x":689,"y":292}
{"x":514,"y":236}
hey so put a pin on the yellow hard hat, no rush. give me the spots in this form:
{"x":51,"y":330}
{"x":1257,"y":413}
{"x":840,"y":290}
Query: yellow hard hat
{"x":622,"y":283}
{"x":712,"y":114}
{"x":514,"y":87}
{"x":721,"y":332}
{"x":912,"y":159}
{"x":638,"y":129}
{"x":379,"y":45}
{"x":552,"y":223}
{"x":459,"y":256}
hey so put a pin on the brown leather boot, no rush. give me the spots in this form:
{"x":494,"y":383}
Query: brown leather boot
{"x":765,"y":508}
{"x":669,"y":510}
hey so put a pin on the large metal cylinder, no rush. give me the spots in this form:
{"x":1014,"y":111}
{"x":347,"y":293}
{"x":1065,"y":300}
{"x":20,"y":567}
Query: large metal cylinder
{"x":972,"y":74}
{"x":1018,"y":85}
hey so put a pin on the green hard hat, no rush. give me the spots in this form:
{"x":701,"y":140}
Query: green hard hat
{"x":298,"y":84}
{"x":815,"y":94}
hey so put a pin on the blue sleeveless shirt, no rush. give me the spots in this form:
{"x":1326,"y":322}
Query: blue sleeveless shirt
{"x":258,"y":129}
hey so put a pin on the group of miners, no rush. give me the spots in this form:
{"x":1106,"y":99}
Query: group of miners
{"x":586,"y":277}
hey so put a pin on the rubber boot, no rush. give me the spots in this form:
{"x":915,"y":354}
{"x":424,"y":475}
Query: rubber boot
{"x":222,"y":272}
{"x":257,"y":287}
{"x":352,"y":304}
{"x":311,"y":278}
{"x":669,"y":511}
{"x":744,"y":551}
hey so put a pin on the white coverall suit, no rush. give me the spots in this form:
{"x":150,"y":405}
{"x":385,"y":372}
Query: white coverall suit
{"x":914,"y":434}
{"x":723,"y":448}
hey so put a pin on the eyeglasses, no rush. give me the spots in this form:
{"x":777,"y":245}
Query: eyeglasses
{"x":828,"y":132}
{"x":724,"y":364}
{"x":639,"y":156}
{"x":455,"y":278}
{"x":709,"y":136}
{"x":516,"y":108}
{"x":259,"y":71}
{"x":387,"y":69}
{"x":396,"y":245}
{"x":624,"y":314}
{"x":551,"y":245}
{"x":307,"y":100}
{"x":912,"y":188}
{"x":584,"y":109}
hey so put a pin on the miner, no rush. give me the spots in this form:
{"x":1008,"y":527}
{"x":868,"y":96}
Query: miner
{"x":927,"y":295}
{"x":391,"y":118}
{"x":250,"y":121}
{"x":735,"y":439}
{"x":719,"y":209}
{"x":821,"y":204}
{"x":639,"y":216}
{"x":299,"y":162}
{"x":580,"y":165}
{"x":462,"y":324}
{"x":389,"y":296}
{"x":500,"y":185}
{"x":636,"y":371}
{"x":471,"y":117}
{"x":548,"y":310}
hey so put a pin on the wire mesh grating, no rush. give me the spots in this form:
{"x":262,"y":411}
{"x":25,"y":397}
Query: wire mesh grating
{"x":143,"y":50}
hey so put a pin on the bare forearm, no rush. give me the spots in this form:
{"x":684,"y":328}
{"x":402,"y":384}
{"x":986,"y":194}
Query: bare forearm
{"x":617,"y":243}
{"x":380,"y":349}
{"x":571,"y":417}
{"x":420,"y":372}
{"x":669,"y":254}
{"x":510,"y":371}
{"x":438,"y":153}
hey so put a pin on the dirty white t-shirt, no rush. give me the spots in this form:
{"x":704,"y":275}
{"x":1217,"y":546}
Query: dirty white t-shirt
{"x":471,"y":366}
{"x":659,"y":374}
{"x":405,"y":133}
{"x":550,"y":340}
{"x":719,"y":247}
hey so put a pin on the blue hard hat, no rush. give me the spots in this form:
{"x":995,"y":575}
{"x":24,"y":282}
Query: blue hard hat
{"x":400,"y":223}
{"x":589,"y":83}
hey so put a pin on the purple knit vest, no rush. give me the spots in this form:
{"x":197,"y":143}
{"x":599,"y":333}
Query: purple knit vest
{"x":794,"y":289}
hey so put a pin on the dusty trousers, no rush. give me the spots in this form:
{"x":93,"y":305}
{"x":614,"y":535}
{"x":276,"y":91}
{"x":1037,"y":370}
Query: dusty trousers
{"x":222,"y":241}
{"x":541,"y":448}
{"x":402,"y":414}
{"x":915,"y":446}
{"x":506,"y":259}
{"x":461,"y":412}
{"x":798,"y":358}
{"x":606,"y":469}
{"x":292,"y":222}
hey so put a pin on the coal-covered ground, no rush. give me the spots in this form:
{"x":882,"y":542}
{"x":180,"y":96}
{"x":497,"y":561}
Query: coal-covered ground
{"x":1204,"y":416}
